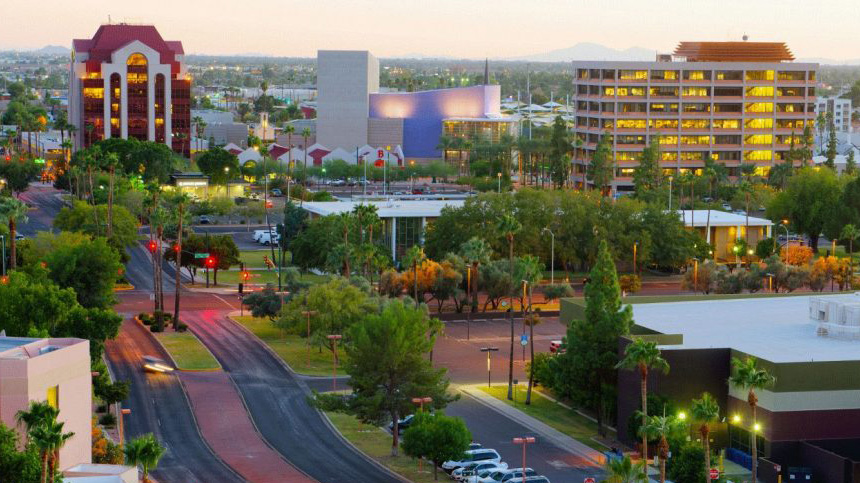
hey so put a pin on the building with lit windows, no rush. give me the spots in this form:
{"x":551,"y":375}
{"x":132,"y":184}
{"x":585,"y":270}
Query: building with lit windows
{"x":128,"y":82}
{"x":736,"y":102}
{"x":840,"y":108}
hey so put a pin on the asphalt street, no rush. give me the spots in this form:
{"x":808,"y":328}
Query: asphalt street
{"x":158,"y":405}
{"x":276,"y":400}
{"x":44,"y":198}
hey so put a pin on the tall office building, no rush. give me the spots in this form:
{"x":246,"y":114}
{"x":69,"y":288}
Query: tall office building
{"x":345,"y":80}
{"x":128,"y":82}
{"x":841,"y":110}
{"x":737,"y":102}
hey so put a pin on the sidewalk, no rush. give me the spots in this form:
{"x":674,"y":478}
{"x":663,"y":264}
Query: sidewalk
{"x":546,"y":432}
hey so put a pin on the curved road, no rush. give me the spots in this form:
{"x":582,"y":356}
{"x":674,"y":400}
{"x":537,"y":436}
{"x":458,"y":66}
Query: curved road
{"x":276,"y":400}
{"x":158,"y":405}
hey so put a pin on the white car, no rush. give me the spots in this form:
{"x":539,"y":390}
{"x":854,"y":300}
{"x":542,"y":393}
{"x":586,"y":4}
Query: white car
{"x":504,"y":476}
{"x":269,"y":238}
{"x":471,"y":456}
{"x":259,"y":233}
{"x":464,"y":472}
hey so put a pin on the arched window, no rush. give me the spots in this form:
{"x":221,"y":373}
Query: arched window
{"x":160,"y":128}
{"x":136,"y":59}
{"x":137,"y":96}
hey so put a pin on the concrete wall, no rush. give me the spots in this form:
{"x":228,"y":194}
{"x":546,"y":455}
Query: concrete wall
{"x":345,"y":79}
{"x":385,"y":132}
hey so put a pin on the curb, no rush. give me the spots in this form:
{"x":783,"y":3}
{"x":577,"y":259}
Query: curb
{"x":361,"y":453}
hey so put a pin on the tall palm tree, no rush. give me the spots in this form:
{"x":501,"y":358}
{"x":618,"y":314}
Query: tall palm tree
{"x":662,"y":427}
{"x":747,"y":375}
{"x":445,"y":144}
{"x":850,"y":233}
{"x":367,"y":216}
{"x":145,"y":452}
{"x":532,"y":320}
{"x":155,"y":215}
{"x":642,"y":356}
{"x":508,"y":226}
{"x":706,"y":411}
{"x":289,"y":129}
{"x":52,"y":432}
{"x":198,"y":122}
{"x":476,"y":251}
{"x":346,"y":224}
{"x":13,"y":211}
{"x":72,"y":129}
{"x":110,"y":160}
{"x":623,"y":471}
{"x":180,"y":200}
{"x":414,"y":257}
{"x":36,"y":414}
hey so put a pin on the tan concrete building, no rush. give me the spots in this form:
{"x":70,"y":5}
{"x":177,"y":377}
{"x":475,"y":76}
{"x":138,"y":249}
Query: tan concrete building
{"x":723,"y":230}
{"x":52,"y":370}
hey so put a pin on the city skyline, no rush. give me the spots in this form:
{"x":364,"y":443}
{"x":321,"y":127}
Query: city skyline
{"x":448,"y":28}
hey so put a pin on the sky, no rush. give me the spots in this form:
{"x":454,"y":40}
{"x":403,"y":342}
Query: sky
{"x":450,"y":28}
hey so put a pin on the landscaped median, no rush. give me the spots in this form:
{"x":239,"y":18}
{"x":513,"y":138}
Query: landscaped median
{"x":186,"y":350}
{"x":376,"y":443}
{"x":291,"y":348}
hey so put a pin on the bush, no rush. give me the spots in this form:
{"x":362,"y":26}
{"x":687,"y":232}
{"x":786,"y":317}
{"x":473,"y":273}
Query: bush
{"x":630,"y":284}
{"x":687,"y":464}
{"x":557,"y":291}
{"x":765,"y":248}
{"x":796,"y":255}
{"x":181,"y":326}
{"x":145,"y":318}
{"x":729,"y":283}
{"x":157,"y":326}
{"x":107,"y":419}
{"x":543,"y":370}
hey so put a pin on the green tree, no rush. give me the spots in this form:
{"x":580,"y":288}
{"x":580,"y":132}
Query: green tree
{"x":145,"y":452}
{"x":12,"y":211}
{"x":19,"y":466}
{"x":687,"y":464}
{"x":648,"y":176}
{"x":643,"y":356}
{"x":588,"y":366}
{"x":414,"y":257}
{"x":662,"y":428}
{"x":49,"y":438}
{"x":437,"y":437}
{"x":265,"y":303}
{"x":475,"y":251}
{"x":559,"y":149}
{"x":152,"y":160}
{"x":809,"y":201}
{"x":179,"y":201}
{"x":746,"y":375}
{"x":624,"y":471}
{"x":388,"y":368}
{"x":38,"y":413}
{"x":79,"y":218}
{"x":850,"y":163}
{"x":27,"y":304}
{"x":90,"y":268}
{"x":601,"y":166}
{"x":705,"y":411}
{"x":508,"y":226}
{"x":831,"y":152}
{"x":850,"y":233}
{"x":19,"y":174}
{"x":219,"y":165}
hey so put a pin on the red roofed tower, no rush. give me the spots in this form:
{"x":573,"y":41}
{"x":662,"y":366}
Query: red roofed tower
{"x":128,"y":82}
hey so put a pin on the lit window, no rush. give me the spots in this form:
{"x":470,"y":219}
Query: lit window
{"x":760,"y":75}
{"x":696,"y":75}
{"x":695,"y":124}
{"x":695,"y":92}
{"x":727,"y":124}
{"x":760,"y":91}
{"x":53,"y":397}
{"x":762,"y":123}
{"x":664,"y":123}
{"x":759,"y":107}
{"x":758,"y":139}
{"x":136,"y":59}
{"x":669,"y":156}
{"x":695,"y":139}
{"x":94,"y":92}
{"x":759,"y":155}
{"x":667,"y":139}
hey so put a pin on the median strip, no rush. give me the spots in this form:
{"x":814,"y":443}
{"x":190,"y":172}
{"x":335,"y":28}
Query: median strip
{"x":187,"y":351}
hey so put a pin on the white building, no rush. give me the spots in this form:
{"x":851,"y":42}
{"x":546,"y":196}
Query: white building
{"x":348,"y":78}
{"x":841,"y":109}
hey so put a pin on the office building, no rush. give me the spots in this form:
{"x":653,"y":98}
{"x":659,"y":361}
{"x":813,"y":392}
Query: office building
{"x":52,"y":370}
{"x":128,"y":82}
{"x":841,"y":110}
{"x":345,"y":80}
{"x":736,"y":102}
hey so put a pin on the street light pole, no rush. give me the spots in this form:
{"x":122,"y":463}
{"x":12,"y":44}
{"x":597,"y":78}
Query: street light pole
{"x":500,"y":182}
{"x":3,"y":245}
{"x":420,"y":401}
{"x":524,"y":441}
{"x":334,"y":338}
{"x":308,"y":313}
{"x":551,"y":256}
{"x":488,"y":350}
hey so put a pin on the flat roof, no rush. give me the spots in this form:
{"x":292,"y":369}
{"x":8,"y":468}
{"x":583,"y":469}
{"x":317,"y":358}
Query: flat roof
{"x":28,"y":348}
{"x":720,"y":218}
{"x":7,"y":343}
{"x":777,"y":329}
{"x":385,"y":209}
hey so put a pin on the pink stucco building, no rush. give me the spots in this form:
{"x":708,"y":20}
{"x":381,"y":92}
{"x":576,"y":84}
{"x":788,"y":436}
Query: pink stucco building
{"x":53,"y":370}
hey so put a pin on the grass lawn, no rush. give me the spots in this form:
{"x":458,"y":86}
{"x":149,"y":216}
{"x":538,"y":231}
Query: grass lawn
{"x":550,"y":413}
{"x":231,"y":277}
{"x":254,"y":258}
{"x":376,"y":443}
{"x":187,"y":350}
{"x":292,"y":348}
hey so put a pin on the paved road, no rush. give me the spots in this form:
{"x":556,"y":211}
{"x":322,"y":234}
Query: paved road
{"x":158,"y":405}
{"x":42,"y":197}
{"x":276,"y":400}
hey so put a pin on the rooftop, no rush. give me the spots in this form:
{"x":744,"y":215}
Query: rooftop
{"x":776,"y":329}
{"x":28,"y":348}
{"x":720,"y":218}
{"x":386,"y":209}
{"x":734,"y":52}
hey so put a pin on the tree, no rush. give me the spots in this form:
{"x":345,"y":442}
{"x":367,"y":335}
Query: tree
{"x":13,"y":211}
{"x":144,"y":451}
{"x":624,"y":471}
{"x":437,"y":437}
{"x":747,"y":375}
{"x":688,"y":464}
{"x":531,"y":320}
{"x":850,"y":163}
{"x":19,"y":174}
{"x":153,"y":160}
{"x":265,"y":303}
{"x":662,"y":428}
{"x":179,"y":200}
{"x":89,"y":266}
{"x":809,"y":200}
{"x":592,"y":342}
{"x":557,"y":291}
{"x":648,"y":176}
{"x":387,"y":365}
{"x":49,"y":438}
{"x":38,"y":413}
{"x":79,"y":218}
{"x":475,"y":251}
{"x":831,"y":152}
{"x":850,"y":233}
{"x":559,"y":147}
{"x":601,"y":167}
{"x":414,"y":257}
{"x":508,"y":226}
{"x":218,"y":164}
{"x":642,"y":356}
{"x":706,"y":411}
{"x":18,"y":466}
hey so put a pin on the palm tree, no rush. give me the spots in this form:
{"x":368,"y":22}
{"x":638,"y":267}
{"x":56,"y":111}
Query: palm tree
{"x":476,"y":251}
{"x":623,"y":471}
{"x":145,"y":452}
{"x":445,"y":144}
{"x":155,"y":214}
{"x":706,"y":411}
{"x":643,"y":355}
{"x":13,"y":211}
{"x":110,"y":160}
{"x":180,"y":200}
{"x":850,"y":233}
{"x":508,"y":226}
{"x":52,"y":433}
{"x":746,"y":375}
{"x":346,"y":224}
{"x":415,"y":256}
{"x":662,"y":427}
{"x":532,"y":320}
{"x":199,"y":126}
{"x":37,"y":414}
{"x":289,"y":129}
{"x":72,"y":129}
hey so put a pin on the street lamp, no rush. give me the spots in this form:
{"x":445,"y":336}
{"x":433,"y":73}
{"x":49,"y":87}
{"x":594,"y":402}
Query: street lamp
{"x":122,"y":414}
{"x":524,"y":441}
{"x":670,"y":193}
{"x":308,"y":313}
{"x":784,"y":225}
{"x":500,"y":181}
{"x":3,"y":248}
{"x":334,"y":338}
{"x":488,"y":350}
{"x":635,"y":248}
{"x":551,"y":255}
{"x":421,"y":401}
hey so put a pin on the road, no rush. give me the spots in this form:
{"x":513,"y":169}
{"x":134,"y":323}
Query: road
{"x":276,"y":400}
{"x":158,"y":405}
{"x":42,"y":197}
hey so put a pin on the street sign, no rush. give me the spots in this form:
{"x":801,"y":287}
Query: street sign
{"x":201,"y":255}
{"x":588,"y":480}
{"x":714,"y":474}
{"x":524,"y":340}
{"x":39,"y":160}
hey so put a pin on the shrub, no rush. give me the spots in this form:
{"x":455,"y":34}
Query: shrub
{"x":557,"y":291}
{"x":107,"y":419}
{"x":701,"y":278}
{"x":543,"y":371}
{"x":157,"y":327}
{"x":145,"y":318}
{"x":687,"y":464}
{"x":765,"y":248}
{"x":729,"y":283}
{"x":181,"y":326}
{"x":630,"y":284}
{"x":796,"y":255}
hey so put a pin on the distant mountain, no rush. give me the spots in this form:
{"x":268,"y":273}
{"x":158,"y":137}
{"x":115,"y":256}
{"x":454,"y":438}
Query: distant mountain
{"x":824,"y":61}
{"x":53,"y":50}
{"x":590,"y":51}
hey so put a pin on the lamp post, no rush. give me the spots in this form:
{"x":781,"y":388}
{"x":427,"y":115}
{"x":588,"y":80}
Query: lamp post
{"x":499,"y":175}
{"x":784,"y":225}
{"x":334,"y":338}
{"x":670,"y":193}
{"x":488,"y":350}
{"x":635,"y":248}
{"x":122,"y":414}
{"x":695,"y":274}
{"x":3,"y":248}
{"x":551,"y":255}
{"x":527,"y":440}
{"x":308,"y":313}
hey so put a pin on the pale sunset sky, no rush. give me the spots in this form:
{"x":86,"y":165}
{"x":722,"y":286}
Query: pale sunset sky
{"x":455,"y":28}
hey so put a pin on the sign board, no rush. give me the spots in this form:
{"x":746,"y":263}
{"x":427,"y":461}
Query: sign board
{"x":524,"y":340}
{"x":39,"y":160}
{"x":588,"y":480}
{"x":201,"y":255}
{"x":714,"y":474}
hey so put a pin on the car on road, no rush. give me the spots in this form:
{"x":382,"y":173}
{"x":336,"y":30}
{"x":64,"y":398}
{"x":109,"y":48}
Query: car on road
{"x":258,"y":233}
{"x":463,"y":473}
{"x":555,"y":346}
{"x":471,"y":456}
{"x":154,"y":364}
{"x":19,"y":237}
{"x":204,"y":220}
{"x":269,"y":238}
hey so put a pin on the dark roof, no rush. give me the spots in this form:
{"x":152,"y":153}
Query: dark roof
{"x":109,"y":38}
{"x":276,"y":150}
{"x":734,"y":51}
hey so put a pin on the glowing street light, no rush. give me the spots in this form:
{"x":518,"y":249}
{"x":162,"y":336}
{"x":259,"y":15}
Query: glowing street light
{"x":488,"y":350}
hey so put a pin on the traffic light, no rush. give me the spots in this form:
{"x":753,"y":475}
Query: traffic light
{"x":210,"y":262}
{"x":4,"y":280}
{"x":176,"y":248}
{"x":152,"y":246}
{"x":246,"y":276}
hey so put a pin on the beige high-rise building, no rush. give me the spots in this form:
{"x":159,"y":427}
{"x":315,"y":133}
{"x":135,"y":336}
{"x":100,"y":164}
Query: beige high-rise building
{"x":736,"y":102}
{"x":345,"y":80}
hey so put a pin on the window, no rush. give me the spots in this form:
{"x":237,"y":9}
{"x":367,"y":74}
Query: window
{"x":627,"y":156}
{"x":760,"y":155}
{"x":723,"y":107}
{"x":624,"y":172}
{"x":781,"y":107}
{"x":733,"y":75}
{"x":695,"y":124}
{"x":136,"y":59}
{"x":633,"y":75}
{"x":660,"y":107}
{"x":664,"y":123}
{"x":759,"y":75}
{"x":758,"y":139}
{"x":664,"y":75}
{"x":789,"y":91}
{"x":664,"y":92}
{"x":763,"y":123}
{"x":667,"y":139}
{"x":630,"y":139}
{"x":696,"y":107}
{"x":760,"y":91}
{"x":609,"y":91}
{"x":759,"y":107}
{"x":727,"y":124}
{"x":696,"y":92}
{"x":668,"y":156}
{"x":692,"y":156}
{"x":727,"y":139}
{"x":697,"y":75}
{"x":53,"y":397}
{"x":631,"y":124}
{"x":695,"y":139}
{"x":94,"y":92}
{"x":728,"y":91}
{"x":792,"y":75}
{"x":632,"y":107}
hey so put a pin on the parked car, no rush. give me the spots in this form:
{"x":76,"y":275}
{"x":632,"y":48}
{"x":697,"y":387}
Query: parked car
{"x":277,"y":193}
{"x":475,"y":446}
{"x":504,"y":476}
{"x":269,"y":239}
{"x":471,"y":469}
{"x":204,"y":220}
{"x":726,"y":207}
{"x":740,"y":212}
{"x":470,"y":456}
{"x":19,"y":237}
{"x":536,"y":479}
{"x":259,"y":233}
{"x":402,"y":424}
{"x":555,"y":346}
